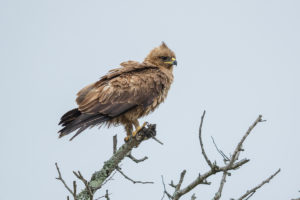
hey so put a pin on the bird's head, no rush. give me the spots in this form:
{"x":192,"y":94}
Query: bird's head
{"x":162,"y":56}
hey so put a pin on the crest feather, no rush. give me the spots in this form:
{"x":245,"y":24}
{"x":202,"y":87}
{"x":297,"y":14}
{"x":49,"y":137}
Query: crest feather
{"x":163,"y":44}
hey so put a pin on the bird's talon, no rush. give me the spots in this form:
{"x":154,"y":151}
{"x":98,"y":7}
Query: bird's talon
{"x":126,"y":139}
{"x":139,"y":129}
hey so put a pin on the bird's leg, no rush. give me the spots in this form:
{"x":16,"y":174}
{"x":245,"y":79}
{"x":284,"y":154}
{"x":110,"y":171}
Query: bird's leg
{"x":128,"y":128}
{"x":137,"y":127}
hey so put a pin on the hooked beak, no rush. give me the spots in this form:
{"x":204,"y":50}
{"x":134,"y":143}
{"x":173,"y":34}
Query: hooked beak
{"x":172,"y":62}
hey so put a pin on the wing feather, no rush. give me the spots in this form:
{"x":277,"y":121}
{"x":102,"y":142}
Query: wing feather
{"x":134,"y":84}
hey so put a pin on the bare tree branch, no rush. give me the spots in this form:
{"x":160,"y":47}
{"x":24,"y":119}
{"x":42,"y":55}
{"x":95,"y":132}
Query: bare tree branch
{"x":180,"y":180}
{"x":99,"y":177}
{"x":201,"y":143}
{"x":115,"y":142}
{"x":193,"y":197}
{"x":133,"y":181}
{"x":223,"y":180}
{"x":63,"y":181}
{"x":129,"y":155}
{"x":157,"y":140}
{"x":253,"y":190}
{"x":85,"y":182}
{"x":239,"y":146}
{"x":165,"y":190}
{"x":225,"y":158}
{"x":231,"y":165}
{"x":74,"y":188}
{"x":107,"y":195}
{"x":111,"y":166}
{"x":109,"y":178}
{"x":202,"y":178}
{"x":234,"y":157}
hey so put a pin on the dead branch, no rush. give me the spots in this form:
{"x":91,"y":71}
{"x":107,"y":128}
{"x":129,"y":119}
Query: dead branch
{"x":64,"y":183}
{"x":193,"y":197}
{"x":99,"y":177}
{"x":253,"y":190}
{"x":165,"y":190}
{"x":225,"y":158}
{"x":130,"y":179}
{"x":85,"y":182}
{"x":201,"y":143}
{"x":106,"y":196}
{"x":202,"y":178}
{"x":129,"y":155}
{"x":177,"y":188}
{"x":234,"y":157}
{"x":223,"y":180}
{"x":230,"y":164}
{"x":111,"y":166}
{"x":115,"y":142}
{"x":239,"y":146}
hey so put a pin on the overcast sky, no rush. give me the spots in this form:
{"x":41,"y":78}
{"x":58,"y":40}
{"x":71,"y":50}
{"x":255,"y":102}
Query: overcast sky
{"x":236,"y":60}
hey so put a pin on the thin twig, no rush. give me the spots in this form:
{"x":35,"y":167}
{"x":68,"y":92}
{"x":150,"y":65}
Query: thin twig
{"x":85,"y":182}
{"x":193,"y":197}
{"x":234,"y":157}
{"x":157,"y":140}
{"x":107,"y":195}
{"x":201,"y":142}
{"x":129,"y":155}
{"x":239,"y":146}
{"x":172,"y":184}
{"x":130,"y":179}
{"x":223,"y":180}
{"x":178,"y":186}
{"x":63,"y":181}
{"x":253,"y":190}
{"x":115,"y":141}
{"x":226,"y":159}
{"x":165,"y":190}
{"x":202,"y":178}
{"x":74,"y":188}
{"x":110,"y":178}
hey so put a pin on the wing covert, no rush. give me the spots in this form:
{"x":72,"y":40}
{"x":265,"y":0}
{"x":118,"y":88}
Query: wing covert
{"x":124,"y":91}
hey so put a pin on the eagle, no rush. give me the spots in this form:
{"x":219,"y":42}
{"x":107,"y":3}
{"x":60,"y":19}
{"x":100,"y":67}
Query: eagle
{"x":123,"y":95}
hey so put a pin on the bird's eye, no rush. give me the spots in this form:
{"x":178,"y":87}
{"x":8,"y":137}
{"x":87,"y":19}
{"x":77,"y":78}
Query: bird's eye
{"x":164,"y":58}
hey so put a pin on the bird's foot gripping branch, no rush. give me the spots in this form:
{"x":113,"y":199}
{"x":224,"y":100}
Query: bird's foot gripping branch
{"x":99,"y":178}
{"x":143,"y":132}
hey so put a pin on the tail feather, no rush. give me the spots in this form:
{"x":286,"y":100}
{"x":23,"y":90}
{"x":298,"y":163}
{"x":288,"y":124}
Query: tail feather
{"x":69,"y":117}
{"x":74,"y":119}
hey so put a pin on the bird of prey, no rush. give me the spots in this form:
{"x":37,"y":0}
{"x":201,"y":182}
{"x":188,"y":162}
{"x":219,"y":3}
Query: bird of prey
{"x":123,"y":95}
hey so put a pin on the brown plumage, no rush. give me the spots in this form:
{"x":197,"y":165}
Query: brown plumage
{"x":124,"y":94}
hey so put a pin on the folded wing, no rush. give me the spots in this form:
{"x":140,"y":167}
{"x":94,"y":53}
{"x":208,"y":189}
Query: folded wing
{"x":134,"y":84}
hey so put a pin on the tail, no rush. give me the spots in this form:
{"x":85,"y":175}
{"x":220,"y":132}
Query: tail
{"x":74,"y":119}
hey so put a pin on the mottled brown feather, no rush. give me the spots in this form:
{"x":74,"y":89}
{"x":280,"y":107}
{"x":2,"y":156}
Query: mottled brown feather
{"x":124,"y":94}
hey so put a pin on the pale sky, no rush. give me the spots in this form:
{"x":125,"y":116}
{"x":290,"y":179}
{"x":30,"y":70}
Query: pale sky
{"x":236,"y":60}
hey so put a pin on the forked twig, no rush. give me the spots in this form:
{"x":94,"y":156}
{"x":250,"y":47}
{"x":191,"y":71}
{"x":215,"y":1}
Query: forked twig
{"x":234,"y":157}
{"x":64,"y":183}
{"x":165,"y":190}
{"x":85,"y":182}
